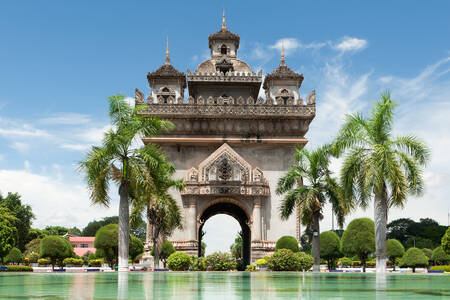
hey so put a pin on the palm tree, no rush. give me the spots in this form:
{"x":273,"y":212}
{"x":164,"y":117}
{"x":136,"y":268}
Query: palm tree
{"x":118,"y":159}
{"x":152,"y":194}
{"x":311,"y":168}
{"x":379,"y":164}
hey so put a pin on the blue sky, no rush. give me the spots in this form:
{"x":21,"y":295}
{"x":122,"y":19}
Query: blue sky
{"x":59,"y":60}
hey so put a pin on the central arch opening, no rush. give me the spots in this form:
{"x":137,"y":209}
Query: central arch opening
{"x":237,"y":213}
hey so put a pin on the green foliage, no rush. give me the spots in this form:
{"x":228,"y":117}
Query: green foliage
{"x":73,"y":261}
{"x":55,"y":230}
{"x":286,"y":260}
{"x":35,"y":233}
{"x":55,"y":248}
{"x":106,"y":243}
{"x":427,"y":252}
{"x":136,"y":247}
{"x":18,"y":269}
{"x":394,"y":250}
{"x":219,"y":261}
{"x":236,"y":248}
{"x":439,"y":257}
{"x":261,"y":262}
{"x":96,"y":262}
{"x":359,"y":239}
{"x":413,"y":258}
{"x":74,"y":231}
{"x":7,"y":236}
{"x":166,"y":250}
{"x":33,"y":257}
{"x":330,"y":248}
{"x":198,"y":263}
{"x":44,"y":261}
{"x":345,"y":262}
{"x":93,"y":226}
{"x":440,"y":268}
{"x":287,"y":242}
{"x":445,"y":241}
{"x":306,"y":261}
{"x":250,"y":268}
{"x":33,"y":246}
{"x":23,"y":217}
{"x":179,"y":261}
{"x":14,"y":256}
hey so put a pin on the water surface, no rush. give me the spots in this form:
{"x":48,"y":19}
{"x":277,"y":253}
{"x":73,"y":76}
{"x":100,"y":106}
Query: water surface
{"x":227,"y":285}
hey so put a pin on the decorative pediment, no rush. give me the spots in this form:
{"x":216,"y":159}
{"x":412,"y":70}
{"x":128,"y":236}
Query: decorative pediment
{"x":225,"y":172}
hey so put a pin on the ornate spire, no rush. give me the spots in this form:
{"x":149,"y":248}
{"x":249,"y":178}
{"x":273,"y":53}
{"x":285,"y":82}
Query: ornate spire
{"x":224,"y":26}
{"x":282,"y":61}
{"x":167,"y":61}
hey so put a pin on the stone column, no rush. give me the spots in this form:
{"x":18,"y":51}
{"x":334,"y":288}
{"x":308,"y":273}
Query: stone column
{"x":191,"y":219}
{"x":256,"y":228}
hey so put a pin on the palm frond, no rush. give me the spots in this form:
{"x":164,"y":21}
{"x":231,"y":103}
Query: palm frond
{"x":414,"y":147}
{"x":291,"y":200}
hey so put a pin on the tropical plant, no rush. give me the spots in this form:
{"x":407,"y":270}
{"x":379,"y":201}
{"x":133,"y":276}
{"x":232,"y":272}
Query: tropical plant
{"x":236,"y":247}
{"x":14,"y":256}
{"x":33,"y":246}
{"x":33,"y":258}
{"x":136,"y":248}
{"x":428,"y":252}
{"x":413,"y":258}
{"x":198,"y":263}
{"x":330,"y":248}
{"x":394,"y":250}
{"x":445,"y":242}
{"x":439,"y":257}
{"x":306,"y":261}
{"x":359,"y":239}
{"x":345,"y":262}
{"x":287,"y":260}
{"x":117,"y":159}
{"x":166,"y":250}
{"x":287,"y":242}
{"x":71,"y":261}
{"x":179,"y":261}
{"x":7,"y":232}
{"x":308,"y":185}
{"x":56,"y":249}
{"x":379,"y":164}
{"x":220,"y":261}
{"x":106,"y":243}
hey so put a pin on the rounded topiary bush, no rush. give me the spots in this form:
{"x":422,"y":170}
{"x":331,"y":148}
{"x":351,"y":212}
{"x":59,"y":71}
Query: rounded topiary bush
{"x":179,"y":261}
{"x":219,"y":261}
{"x":284,"y":260}
{"x":287,"y":242}
{"x":414,"y":258}
{"x":14,"y":256}
{"x":345,"y":262}
{"x":261,"y":262}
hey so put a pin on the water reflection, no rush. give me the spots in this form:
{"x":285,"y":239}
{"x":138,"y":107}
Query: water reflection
{"x":381,"y":286}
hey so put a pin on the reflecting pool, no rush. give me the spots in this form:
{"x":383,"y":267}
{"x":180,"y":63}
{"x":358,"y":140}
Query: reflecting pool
{"x":227,"y":285}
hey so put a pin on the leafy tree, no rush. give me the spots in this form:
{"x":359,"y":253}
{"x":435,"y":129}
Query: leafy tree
{"x":106,"y":243}
{"x":24,"y":217}
{"x":55,"y":230}
{"x":136,"y":248}
{"x":166,"y":250}
{"x":74,"y":231}
{"x":439,"y":257}
{"x":330,"y":248}
{"x":414,"y":258}
{"x":139,"y":230}
{"x":33,"y":246}
{"x":446,"y":241}
{"x":287,"y":242}
{"x":56,"y":249}
{"x":118,"y":160}
{"x":376,"y":163}
{"x":309,"y":199}
{"x":93,"y":226}
{"x":428,"y":253}
{"x":400,"y":229}
{"x":14,"y":256}
{"x":34,"y":233}
{"x":426,"y":233}
{"x":394,"y":250}
{"x":203,"y":249}
{"x":236,"y":247}
{"x":359,"y":239}
{"x":7,"y":232}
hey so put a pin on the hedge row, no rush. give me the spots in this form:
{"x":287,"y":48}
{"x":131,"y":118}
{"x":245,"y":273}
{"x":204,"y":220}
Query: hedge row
{"x":13,"y":268}
{"x":441,"y":268}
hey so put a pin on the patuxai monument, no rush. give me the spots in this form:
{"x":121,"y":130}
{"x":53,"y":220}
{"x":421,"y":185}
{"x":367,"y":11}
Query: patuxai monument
{"x":230,"y":145}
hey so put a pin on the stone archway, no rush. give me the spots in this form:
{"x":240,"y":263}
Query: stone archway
{"x":237,"y":212}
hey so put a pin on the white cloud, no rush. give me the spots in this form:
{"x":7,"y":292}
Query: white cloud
{"x":67,"y":119}
{"x":17,"y":129}
{"x":21,"y":147}
{"x":75,"y":147}
{"x":54,"y":202}
{"x":220,"y":232}
{"x":350,"y":44}
{"x":292,"y":44}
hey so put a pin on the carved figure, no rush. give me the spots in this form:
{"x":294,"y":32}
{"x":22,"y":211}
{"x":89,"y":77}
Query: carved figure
{"x":311,"y":99}
{"x":138,"y":96}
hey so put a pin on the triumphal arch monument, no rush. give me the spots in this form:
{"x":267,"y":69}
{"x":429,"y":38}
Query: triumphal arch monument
{"x":230,"y":145}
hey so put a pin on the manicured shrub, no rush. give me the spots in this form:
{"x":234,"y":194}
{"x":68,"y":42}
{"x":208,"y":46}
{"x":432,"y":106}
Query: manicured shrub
{"x":356,"y":263}
{"x":33,"y":246}
{"x":106,"y":242}
{"x":198,"y":263}
{"x":345,"y":262}
{"x":56,"y":249}
{"x":13,"y":268}
{"x":14,"y":256}
{"x":261,"y":262}
{"x":44,"y":261}
{"x":250,"y":268}
{"x":70,"y":261}
{"x":440,"y":268}
{"x":359,"y":239}
{"x":414,"y":258}
{"x":96,"y":262}
{"x":394,"y":250}
{"x":287,"y":242}
{"x":166,"y":249}
{"x":136,"y":248}
{"x":445,"y":241}
{"x":330,"y":248}
{"x":371,"y":263}
{"x":33,"y":258}
{"x":428,"y":253}
{"x":284,"y":260}
{"x":306,"y":261}
{"x":219,"y":261}
{"x":179,"y":261}
{"x":439,"y":257}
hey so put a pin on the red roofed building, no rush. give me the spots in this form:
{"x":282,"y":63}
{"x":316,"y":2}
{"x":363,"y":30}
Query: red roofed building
{"x":82,"y":244}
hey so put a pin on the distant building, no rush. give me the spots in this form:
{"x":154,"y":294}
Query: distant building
{"x":82,"y":244}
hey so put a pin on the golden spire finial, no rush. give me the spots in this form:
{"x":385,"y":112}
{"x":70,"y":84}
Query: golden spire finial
{"x":223,"y":20}
{"x":167,"y":62}
{"x":282,"y":61}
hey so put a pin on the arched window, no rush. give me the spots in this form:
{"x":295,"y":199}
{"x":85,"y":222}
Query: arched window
{"x":223,"y":50}
{"x":166,"y":94}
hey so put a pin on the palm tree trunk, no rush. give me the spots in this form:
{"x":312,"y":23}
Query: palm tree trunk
{"x":316,"y":241}
{"x":124,"y":227}
{"x":155,"y":254}
{"x":380,"y":229}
